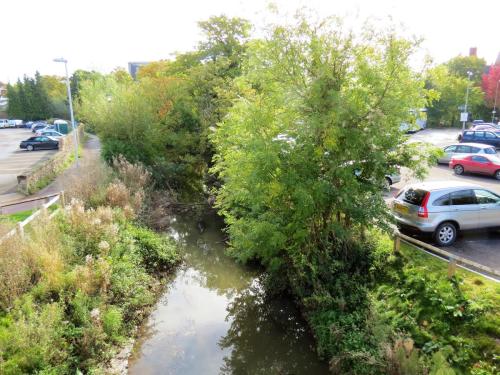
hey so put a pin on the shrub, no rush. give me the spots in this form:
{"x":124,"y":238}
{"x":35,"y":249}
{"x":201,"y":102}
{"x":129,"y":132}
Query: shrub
{"x":158,"y":253}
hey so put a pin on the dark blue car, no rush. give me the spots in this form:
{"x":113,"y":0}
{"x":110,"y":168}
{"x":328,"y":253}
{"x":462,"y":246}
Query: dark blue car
{"x":484,"y":137}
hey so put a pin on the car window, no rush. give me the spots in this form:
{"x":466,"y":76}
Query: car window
{"x":414,"y":196}
{"x":44,"y":139}
{"x":442,"y":201}
{"x":486,"y":197}
{"x":462,"y":197}
{"x":469,"y":133}
{"x":463,"y":149}
{"x":479,"y":134}
{"x":479,"y":159}
{"x":490,"y":151}
{"x":474,"y":150}
{"x":489,"y":135}
{"x":450,"y":149}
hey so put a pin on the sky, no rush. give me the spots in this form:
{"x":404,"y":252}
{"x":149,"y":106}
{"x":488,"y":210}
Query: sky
{"x":105,"y":34}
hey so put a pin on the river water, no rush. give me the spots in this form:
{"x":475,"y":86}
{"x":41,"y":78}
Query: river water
{"x":214,"y":318}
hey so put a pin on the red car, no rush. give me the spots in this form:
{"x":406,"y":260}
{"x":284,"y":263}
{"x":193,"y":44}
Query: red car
{"x":482,"y":164}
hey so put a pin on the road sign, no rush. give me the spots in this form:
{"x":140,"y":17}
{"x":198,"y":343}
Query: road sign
{"x":464,"y":116}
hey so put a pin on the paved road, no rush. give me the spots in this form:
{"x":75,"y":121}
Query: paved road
{"x":480,"y":246}
{"x":13,"y":160}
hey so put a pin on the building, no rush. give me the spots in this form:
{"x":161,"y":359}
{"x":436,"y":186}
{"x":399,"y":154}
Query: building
{"x":133,"y":67}
{"x":3,"y":97}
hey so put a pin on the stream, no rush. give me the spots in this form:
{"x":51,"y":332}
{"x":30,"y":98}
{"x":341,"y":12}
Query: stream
{"x":214,"y":318}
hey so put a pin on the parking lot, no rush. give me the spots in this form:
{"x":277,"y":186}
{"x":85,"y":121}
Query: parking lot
{"x":480,"y":246}
{"x":13,"y":160}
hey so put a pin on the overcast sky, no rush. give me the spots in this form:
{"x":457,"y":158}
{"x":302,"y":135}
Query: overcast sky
{"x":104,"y":34}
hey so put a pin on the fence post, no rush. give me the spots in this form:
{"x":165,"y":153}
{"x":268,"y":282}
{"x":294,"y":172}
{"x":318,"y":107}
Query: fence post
{"x":452,"y":267}
{"x":397,"y":244}
{"x":20,"y":229}
{"x":63,"y":199}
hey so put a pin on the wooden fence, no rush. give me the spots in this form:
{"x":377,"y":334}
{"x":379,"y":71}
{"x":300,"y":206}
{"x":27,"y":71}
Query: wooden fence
{"x":59,"y":197}
{"x":452,"y":259}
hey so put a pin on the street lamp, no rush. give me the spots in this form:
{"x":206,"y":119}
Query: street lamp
{"x":469,"y":74}
{"x":75,"y":136}
{"x":495,"y":105}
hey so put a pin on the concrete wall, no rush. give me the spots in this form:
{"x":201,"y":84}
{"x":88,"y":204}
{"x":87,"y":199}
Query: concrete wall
{"x":46,"y":171}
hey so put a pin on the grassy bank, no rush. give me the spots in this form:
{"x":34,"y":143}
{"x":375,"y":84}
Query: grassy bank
{"x":76,"y":287}
{"x":404,"y":316}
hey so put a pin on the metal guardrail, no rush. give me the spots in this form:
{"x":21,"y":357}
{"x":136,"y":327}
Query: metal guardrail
{"x":20,"y":225}
{"x":452,"y":259}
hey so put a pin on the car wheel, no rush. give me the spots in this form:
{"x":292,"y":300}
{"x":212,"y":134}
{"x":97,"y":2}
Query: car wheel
{"x":30,"y":148}
{"x":446,"y":234}
{"x":497,"y":174}
{"x":458,"y":169}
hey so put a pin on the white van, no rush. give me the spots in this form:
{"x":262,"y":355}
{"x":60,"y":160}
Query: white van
{"x":4,"y":123}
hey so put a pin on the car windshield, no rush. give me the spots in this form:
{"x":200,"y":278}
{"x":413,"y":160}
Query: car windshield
{"x":414,"y":196}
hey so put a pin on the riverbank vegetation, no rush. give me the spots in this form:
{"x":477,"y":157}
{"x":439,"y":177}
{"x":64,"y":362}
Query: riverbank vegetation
{"x":76,"y":286}
{"x":294,"y":134}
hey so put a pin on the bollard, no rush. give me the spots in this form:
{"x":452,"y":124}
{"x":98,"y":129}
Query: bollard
{"x":397,"y":244}
{"x":20,"y":230}
{"x":62,"y":198}
{"x":452,"y":267}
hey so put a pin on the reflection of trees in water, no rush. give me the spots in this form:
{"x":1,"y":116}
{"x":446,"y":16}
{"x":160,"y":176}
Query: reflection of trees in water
{"x":267,"y":337}
{"x":205,"y":252}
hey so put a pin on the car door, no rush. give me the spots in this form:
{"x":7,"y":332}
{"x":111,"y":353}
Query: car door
{"x":479,"y":164}
{"x":490,"y":138}
{"x":489,"y":203}
{"x":44,"y":143}
{"x":464,"y":209}
{"x":461,"y":151}
{"x":448,"y":154}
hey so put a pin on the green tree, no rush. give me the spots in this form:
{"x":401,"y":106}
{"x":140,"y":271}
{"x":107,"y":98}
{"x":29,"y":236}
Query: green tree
{"x":461,"y":65}
{"x":303,"y":155}
{"x":451,"y":90}
{"x":14,"y":110}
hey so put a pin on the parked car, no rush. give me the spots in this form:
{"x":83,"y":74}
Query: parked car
{"x":16,"y":123}
{"x":38,"y":126}
{"x":442,"y":208}
{"x":487,"y":127}
{"x":484,"y":137}
{"x":481,"y":164}
{"x":39,"y":143}
{"x":4,"y":123}
{"x":49,"y":133}
{"x":464,"y":149}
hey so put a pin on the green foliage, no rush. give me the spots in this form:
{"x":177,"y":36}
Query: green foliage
{"x":28,"y":99}
{"x":90,"y":276}
{"x":451,"y":321}
{"x":163,"y":120}
{"x":451,"y":89}
{"x":158,"y":253}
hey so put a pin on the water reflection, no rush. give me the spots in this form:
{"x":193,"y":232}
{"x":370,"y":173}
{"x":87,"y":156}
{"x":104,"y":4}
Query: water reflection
{"x":215,"y":318}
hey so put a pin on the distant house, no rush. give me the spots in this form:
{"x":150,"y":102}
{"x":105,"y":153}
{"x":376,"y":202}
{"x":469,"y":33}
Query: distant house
{"x":133,"y":67}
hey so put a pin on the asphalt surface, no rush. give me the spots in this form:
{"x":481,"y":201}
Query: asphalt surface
{"x":480,"y":246}
{"x":13,"y":160}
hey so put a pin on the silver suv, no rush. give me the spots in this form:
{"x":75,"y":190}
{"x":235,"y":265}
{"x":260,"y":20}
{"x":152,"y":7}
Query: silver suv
{"x":444,"y":208}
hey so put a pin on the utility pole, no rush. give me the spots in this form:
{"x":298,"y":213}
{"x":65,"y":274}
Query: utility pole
{"x":75,"y":136}
{"x":469,"y":74}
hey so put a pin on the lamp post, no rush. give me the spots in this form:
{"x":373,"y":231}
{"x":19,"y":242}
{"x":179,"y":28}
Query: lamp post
{"x":75,"y":136}
{"x":469,"y":74}
{"x":495,"y":105}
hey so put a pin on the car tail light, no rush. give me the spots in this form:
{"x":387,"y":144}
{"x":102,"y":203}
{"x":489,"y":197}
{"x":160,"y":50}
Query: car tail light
{"x":422,"y":210}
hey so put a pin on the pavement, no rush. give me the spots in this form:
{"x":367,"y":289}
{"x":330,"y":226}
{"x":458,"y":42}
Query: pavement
{"x":14,"y":161}
{"x":480,"y":246}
